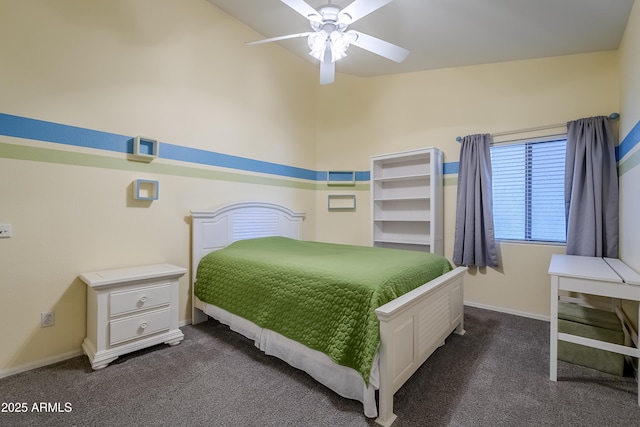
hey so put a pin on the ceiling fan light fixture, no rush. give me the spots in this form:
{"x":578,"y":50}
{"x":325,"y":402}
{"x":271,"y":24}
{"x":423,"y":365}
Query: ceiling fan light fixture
{"x":339,"y":45}
{"x":317,"y":43}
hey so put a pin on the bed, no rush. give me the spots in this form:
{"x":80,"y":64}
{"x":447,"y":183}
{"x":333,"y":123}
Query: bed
{"x":411,"y":326}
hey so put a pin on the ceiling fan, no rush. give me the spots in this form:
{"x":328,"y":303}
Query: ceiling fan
{"x":330,"y":37}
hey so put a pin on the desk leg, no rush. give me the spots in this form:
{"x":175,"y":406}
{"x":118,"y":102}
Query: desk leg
{"x":553,"y":335}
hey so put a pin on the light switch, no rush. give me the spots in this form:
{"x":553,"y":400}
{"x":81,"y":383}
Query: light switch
{"x":5,"y":230}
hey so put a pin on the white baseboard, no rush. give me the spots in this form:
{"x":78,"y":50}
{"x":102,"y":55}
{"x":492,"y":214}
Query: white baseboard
{"x":55,"y":359}
{"x":626,"y":324}
{"x":508,"y":311}
{"x":39,"y":363}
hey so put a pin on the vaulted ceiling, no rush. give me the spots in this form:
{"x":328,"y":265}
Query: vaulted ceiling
{"x":452,"y":33}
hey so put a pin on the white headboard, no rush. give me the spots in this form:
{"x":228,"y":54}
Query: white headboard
{"x":211,"y":231}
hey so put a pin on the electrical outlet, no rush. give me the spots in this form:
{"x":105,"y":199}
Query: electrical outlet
{"x":5,"y":230}
{"x":47,"y":319}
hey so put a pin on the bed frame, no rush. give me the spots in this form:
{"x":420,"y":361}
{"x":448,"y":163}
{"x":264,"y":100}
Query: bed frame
{"x":412,"y":326}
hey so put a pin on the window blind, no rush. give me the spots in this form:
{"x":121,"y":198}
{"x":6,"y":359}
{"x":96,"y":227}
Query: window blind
{"x":528,"y":190}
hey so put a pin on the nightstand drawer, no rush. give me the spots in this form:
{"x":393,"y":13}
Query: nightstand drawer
{"x":139,"y":325}
{"x":138,"y":299}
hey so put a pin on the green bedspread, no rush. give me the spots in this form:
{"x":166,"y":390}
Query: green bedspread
{"x":322,"y":295}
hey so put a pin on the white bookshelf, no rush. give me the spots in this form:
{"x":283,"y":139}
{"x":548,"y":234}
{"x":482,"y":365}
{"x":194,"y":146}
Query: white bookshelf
{"x":406,"y":200}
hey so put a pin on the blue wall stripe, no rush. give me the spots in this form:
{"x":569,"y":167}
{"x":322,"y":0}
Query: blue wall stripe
{"x":22,"y":127}
{"x":631,"y":140}
{"x":210,"y":158}
{"x":451,"y":168}
{"x":39,"y":130}
{"x":363,"y":176}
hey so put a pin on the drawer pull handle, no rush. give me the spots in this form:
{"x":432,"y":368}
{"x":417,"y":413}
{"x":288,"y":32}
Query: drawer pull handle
{"x":143,"y":299}
{"x":143,"y":325}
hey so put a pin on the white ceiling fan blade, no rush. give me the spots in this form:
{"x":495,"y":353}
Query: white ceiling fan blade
{"x":377,"y":46}
{"x":327,"y":72}
{"x":303,"y":9}
{"x":275,"y":39}
{"x":361,"y":8}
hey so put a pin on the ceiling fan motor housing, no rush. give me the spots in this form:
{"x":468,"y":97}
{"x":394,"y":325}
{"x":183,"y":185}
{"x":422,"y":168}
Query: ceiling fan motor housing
{"x":330,"y":17}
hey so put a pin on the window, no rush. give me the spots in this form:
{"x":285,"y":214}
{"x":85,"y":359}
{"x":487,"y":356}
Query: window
{"x":528,"y":190}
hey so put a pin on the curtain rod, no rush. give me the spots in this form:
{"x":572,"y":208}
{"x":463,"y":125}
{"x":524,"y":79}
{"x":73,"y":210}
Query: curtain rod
{"x":612,"y":116}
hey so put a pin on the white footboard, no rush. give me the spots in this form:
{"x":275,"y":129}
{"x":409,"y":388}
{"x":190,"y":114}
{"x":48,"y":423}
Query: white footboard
{"x":412,"y":327}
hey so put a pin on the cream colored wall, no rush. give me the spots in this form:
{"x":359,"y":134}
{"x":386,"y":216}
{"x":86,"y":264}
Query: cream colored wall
{"x":630,"y":106}
{"x":341,"y":133}
{"x":180,"y":72}
{"x":175,"y":71}
{"x":630,"y":170}
{"x":400,"y":112}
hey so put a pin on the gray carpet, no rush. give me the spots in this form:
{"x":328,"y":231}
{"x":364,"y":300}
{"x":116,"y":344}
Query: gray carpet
{"x":495,"y":375}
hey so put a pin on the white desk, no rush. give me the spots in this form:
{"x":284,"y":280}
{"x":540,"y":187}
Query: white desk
{"x":595,"y":276}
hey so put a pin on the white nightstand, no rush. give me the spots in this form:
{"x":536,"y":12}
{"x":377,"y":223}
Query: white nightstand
{"x":129,"y":309}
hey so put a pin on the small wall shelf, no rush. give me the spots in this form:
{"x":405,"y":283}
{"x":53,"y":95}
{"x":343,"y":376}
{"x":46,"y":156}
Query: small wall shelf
{"x":145,"y":149}
{"x":144,"y":189}
{"x":341,"y":178}
{"x":339,"y":202}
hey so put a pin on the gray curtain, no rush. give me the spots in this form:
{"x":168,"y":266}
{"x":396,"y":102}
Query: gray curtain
{"x":475,"y":243}
{"x":591,"y":189}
